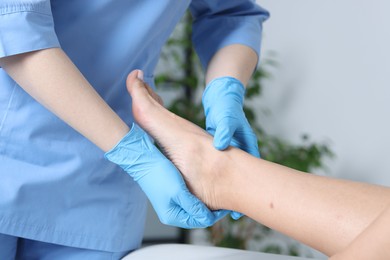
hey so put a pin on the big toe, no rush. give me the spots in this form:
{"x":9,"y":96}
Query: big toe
{"x":136,"y":86}
{"x":134,"y":83}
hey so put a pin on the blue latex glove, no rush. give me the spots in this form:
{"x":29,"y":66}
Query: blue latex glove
{"x":161,"y":182}
{"x":223,"y":101}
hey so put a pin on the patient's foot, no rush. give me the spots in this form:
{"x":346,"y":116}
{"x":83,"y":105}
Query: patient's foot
{"x":185,"y":144}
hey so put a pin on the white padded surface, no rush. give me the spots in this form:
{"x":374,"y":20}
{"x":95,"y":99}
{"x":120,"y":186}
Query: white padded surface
{"x":193,"y":252}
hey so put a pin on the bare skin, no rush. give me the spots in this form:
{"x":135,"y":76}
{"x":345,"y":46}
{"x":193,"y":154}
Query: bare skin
{"x":51,"y":78}
{"x":229,"y":61}
{"x":324,"y":213}
{"x":372,"y":243}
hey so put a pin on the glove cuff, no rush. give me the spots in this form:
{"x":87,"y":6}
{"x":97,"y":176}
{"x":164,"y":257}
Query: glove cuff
{"x":130,"y":149}
{"x":220,"y":87}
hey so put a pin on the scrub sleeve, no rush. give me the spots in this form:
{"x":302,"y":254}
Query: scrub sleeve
{"x":26,"y":26}
{"x":221,"y":23}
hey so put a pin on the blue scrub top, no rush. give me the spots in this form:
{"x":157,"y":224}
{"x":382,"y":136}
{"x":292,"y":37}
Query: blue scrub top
{"x":55,"y":185}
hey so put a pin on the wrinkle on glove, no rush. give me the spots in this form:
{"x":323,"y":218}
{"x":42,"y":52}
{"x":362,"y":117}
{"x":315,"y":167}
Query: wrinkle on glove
{"x":161,"y":181}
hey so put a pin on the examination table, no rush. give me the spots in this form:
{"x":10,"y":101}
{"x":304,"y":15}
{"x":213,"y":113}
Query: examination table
{"x":194,"y":252}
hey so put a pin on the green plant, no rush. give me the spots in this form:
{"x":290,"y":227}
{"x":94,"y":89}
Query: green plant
{"x":181,"y":70}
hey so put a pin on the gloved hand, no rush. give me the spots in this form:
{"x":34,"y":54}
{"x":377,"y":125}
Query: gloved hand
{"x":161,"y":182}
{"x":223,"y":101}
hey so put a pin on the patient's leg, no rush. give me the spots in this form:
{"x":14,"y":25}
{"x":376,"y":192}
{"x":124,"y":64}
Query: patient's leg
{"x":324,"y":213}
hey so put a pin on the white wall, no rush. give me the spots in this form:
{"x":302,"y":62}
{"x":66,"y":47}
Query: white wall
{"x":333,"y":81}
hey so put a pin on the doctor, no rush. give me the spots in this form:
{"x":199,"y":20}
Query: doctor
{"x":66,"y":121}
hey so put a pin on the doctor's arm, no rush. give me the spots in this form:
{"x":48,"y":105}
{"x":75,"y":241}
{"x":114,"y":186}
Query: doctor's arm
{"x":227,"y":39}
{"x":51,"y":78}
{"x":30,"y":54}
{"x":236,"y":60}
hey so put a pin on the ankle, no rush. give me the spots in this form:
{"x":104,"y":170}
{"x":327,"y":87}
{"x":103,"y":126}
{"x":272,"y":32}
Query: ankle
{"x":220,"y":179}
{"x":228,"y":180}
{"x":206,"y":181}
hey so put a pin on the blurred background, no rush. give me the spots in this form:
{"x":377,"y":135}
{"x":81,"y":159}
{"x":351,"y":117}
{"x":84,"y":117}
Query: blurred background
{"x":320,"y":102}
{"x":333,"y":81}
